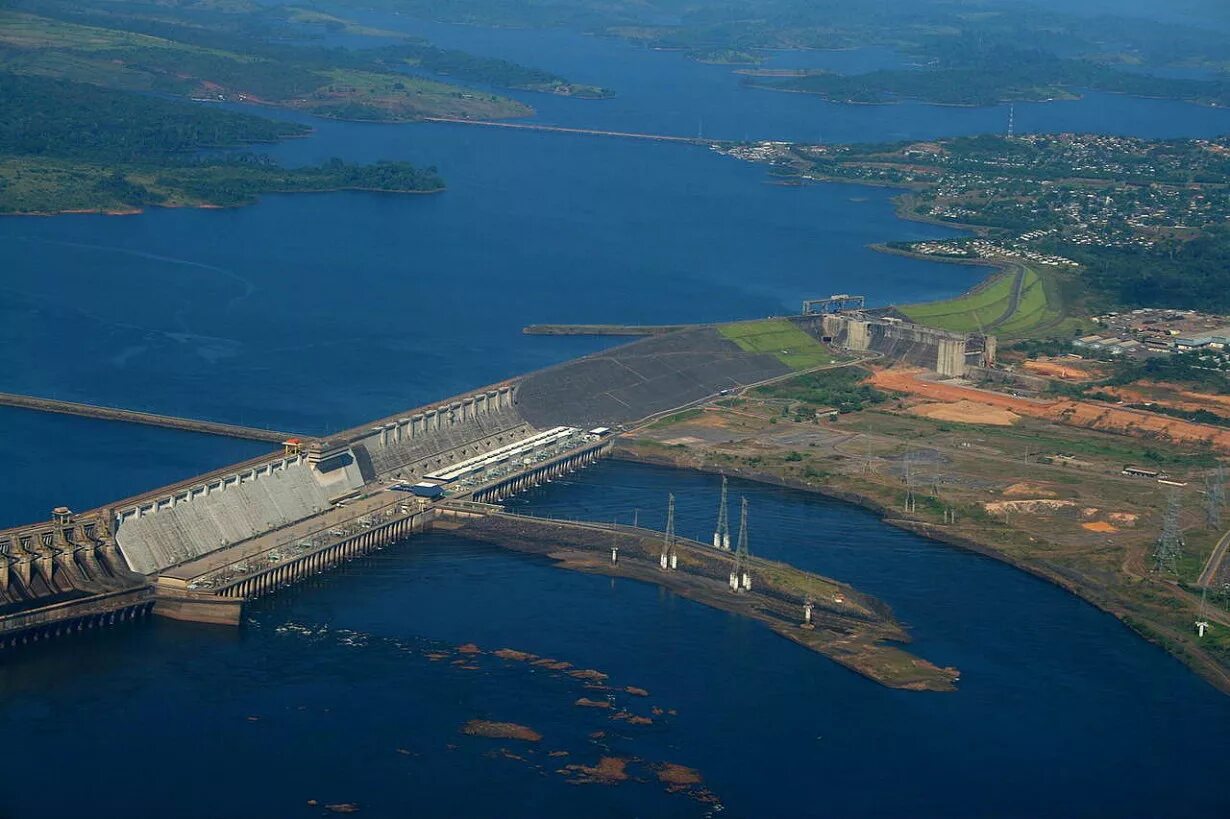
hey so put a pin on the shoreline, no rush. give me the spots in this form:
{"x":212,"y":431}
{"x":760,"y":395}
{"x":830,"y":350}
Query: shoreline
{"x":1204,"y":669}
{"x":861,"y":634}
{"x":100,"y":211}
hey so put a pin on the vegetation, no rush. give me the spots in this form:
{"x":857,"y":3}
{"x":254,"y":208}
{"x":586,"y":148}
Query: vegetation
{"x":67,"y":146}
{"x":980,"y":308}
{"x":261,"y":32}
{"x":996,"y":306}
{"x":781,"y":338}
{"x":841,"y":388}
{"x":48,"y":117}
{"x":1034,"y":347}
{"x":1000,"y":488}
{"x":967,"y":54}
{"x":755,"y":24}
{"x":970,"y":71}
{"x":1181,"y":272}
{"x":217,"y":58}
{"x":1105,"y":221}
{"x":1180,"y":368}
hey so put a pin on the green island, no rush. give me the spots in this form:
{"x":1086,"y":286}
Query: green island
{"x":68,"y":146}
{"x":970,"y":72}
{"x":959,"y":54}
{"x":261,"y":31}
{"x":133,"y":61}
{"x":266,"y":54}
{"x":106,"y":104}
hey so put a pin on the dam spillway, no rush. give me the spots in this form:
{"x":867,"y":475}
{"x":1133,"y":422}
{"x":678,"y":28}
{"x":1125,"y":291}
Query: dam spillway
{"x":198,"y":548}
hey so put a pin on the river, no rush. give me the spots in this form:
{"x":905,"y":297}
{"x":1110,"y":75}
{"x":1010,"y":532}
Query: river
{"x":316,"y":312}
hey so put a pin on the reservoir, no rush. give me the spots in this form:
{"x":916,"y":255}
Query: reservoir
{"x":314,"y":312}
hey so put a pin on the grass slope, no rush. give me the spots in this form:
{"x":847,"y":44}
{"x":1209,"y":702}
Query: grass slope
{"x":1040,"y":311}
{"x":778,"y":337}
{"x":978,"y":308}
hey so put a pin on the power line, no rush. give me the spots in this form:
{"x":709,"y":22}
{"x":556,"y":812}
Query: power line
{"x":740,"y":575}
{"x":721,"y":535}
{"x":669,"y":559}
{"x":1215,"y":495}
{"x":1169,"y":548}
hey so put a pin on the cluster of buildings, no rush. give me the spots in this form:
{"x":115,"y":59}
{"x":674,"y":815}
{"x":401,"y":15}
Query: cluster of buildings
{"x":989,"y":249}
{"x":1159,"y":330}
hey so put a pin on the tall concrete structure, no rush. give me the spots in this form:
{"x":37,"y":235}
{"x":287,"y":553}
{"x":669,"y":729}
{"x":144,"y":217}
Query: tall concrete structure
{"x":949,"y":354}
{"x":197,"y":549}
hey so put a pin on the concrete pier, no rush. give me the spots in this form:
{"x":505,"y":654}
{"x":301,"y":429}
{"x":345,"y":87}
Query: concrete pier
{"x":212,"y":589}
{"x":75,"y":616}
{"x":31,"y":402}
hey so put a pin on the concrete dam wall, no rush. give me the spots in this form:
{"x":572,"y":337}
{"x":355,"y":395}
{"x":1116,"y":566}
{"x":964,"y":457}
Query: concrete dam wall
{"x":641,"y":379}
{"x":234,"y":508}
{"x":156,"y":533}
{"x":946,"y":353}
{"x":414,"y":445}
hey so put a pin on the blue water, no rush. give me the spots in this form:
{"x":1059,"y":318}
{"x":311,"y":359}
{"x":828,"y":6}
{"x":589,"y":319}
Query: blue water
{"x":1056,"y":699}
{"x":312,"y":313}
{"x":316,"y":312}
{"x":666,"y":92}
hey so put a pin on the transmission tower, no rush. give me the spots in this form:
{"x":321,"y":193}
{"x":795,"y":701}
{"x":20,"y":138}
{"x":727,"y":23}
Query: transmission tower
{"x":1011,"y":120}
{"x":910,"y":503}
{"x":721,"y":535}
{"x":668,"y":559}
{"x":740,"y":575}
{"x":1202,"y":622}
{"x":950,"y":514}
{"x":1169,"y":548}
{"x":1215,"y":495}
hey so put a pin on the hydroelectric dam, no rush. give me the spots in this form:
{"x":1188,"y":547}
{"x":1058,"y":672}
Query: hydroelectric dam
{"x":198,"y":549}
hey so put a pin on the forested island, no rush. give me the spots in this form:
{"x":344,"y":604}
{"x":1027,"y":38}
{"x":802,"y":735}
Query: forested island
{"x":969,"y":71}
{"x":104,"y":103}
{"x":68,"y":146}
{"x":959,"y":53}
{"x":248,"y":52}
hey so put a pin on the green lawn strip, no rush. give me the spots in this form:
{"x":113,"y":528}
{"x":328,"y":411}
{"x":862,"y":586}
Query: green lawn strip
{"x":778,"y":337}
{"x":967,"y":312}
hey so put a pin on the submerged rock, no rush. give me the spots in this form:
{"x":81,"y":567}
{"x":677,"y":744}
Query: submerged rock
{"x":586,"y":702}
{"x":500,"y":730}
{"x":609,"y":771}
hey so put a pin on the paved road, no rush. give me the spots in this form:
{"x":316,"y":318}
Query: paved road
{"x":559,"y":129}
{"x":1018,"y":286}
{"x":1215,"y":560}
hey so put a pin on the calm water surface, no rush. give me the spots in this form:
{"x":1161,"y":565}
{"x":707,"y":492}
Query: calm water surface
{"x":315,"y":696}
{"x":315,"y":312}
